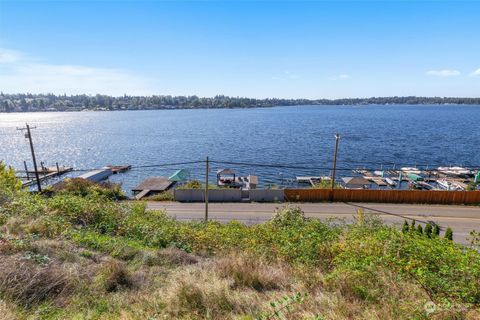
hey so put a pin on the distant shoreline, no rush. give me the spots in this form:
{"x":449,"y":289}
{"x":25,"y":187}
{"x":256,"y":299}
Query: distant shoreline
{"x":235,"y":108}
{"x":10,"y":103}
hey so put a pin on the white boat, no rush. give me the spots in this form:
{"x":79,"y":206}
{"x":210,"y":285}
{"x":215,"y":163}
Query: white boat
{"x":455,"y":171}
{"x":411,"y":170}
{"x":390,"y":182}
{"x":446,"y":185}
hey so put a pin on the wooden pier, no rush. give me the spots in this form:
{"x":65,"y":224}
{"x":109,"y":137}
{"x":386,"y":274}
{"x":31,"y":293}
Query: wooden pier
{"x":377,"y":180}
{"x":119,"y":169}
{"x":45,"y":174}
{"x":152,"y":185}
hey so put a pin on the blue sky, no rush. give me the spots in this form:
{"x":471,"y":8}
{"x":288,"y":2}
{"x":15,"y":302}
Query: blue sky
{"x":311,"y":49}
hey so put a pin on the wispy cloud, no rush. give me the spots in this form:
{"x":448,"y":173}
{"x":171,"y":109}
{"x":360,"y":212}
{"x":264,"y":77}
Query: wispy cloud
{"x":443,"y":73}
{"x":9,"y":56}
{"x":342,"y":76}
{"x":22,"y":73}
{"x":475,"y":73}
{"x":287,"y":75}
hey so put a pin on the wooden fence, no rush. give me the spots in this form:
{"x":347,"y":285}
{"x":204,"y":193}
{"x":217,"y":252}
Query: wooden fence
{"x":386,"y":196}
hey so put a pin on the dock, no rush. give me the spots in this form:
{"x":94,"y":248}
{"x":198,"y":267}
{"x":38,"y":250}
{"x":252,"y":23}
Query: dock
{"x":312,"y":180}
{"x":119,"y":169}
{"x":97,"y":175}
{"x":152,"y":185}
{"x":45,"y":174}
{"x":377,"y":180}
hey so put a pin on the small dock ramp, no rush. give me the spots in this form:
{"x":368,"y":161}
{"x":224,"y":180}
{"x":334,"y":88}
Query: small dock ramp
{"x":152,"y":185}
{"x":97,"y":175}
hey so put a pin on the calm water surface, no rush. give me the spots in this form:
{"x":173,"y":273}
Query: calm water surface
{"x":371,"y":136}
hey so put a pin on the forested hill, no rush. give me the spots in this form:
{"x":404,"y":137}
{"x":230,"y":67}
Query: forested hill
{"x":50,"y":102}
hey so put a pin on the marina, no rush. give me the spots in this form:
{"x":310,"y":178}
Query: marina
{"x":457,"y":179}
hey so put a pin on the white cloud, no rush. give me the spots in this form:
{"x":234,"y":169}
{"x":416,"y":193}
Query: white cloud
{"x":19,"y":73}
{"x":287,"y":75}
{"x":443,"y":73}
{"x":9,"y":56}
{"x":475,"y":73}
{"x":342,"y":76}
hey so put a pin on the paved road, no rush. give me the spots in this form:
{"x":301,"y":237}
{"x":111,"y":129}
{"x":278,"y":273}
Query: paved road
{"x":462,"y":219}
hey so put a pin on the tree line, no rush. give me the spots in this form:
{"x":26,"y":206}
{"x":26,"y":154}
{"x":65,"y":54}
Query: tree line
{"x":50,"y":102}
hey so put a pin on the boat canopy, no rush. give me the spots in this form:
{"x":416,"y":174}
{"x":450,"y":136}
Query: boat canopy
{"x":225,"y":172}
{"x":179,"y":176}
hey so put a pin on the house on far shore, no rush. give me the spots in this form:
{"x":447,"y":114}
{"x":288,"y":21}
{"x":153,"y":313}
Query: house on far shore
{"x":356,"y":183}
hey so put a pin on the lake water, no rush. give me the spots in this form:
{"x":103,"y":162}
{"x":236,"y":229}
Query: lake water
{"x":302,"y":136}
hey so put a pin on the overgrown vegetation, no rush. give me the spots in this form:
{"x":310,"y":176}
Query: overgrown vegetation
{"x":326,"y":184}
{"x":76,"y":253}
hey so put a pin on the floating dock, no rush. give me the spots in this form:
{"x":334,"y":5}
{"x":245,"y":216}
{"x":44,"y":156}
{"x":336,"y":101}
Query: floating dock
{"x":379,"y":181}
{"x":312,"y":180}
{"x":152,"y":185}
{"x":119,"y":169}
{"x":97,"y":175}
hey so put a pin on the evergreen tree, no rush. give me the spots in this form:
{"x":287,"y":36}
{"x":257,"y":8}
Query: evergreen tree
{"x":449,"y":234}
{"x":420,"y":229}
{"x":412,"y":226}
{"x":436,"y":230}
{"x":428,"y":230}
{"x":405,"y":227}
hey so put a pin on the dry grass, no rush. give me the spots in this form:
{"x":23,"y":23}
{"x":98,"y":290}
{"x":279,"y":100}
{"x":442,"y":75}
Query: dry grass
{"x":27,"y":283}
{"x":197,"y":292}
{"x":176,"y":257}
{"x":254,"y":273}
{"x":169,"y":257}
{"x":116,"y":277}
{"x":5,"y":312}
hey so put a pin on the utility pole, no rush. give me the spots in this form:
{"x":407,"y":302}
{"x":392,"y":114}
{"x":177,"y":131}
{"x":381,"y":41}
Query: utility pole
{"x":206,"y":190}
{"x":337,"y":138}
{"x":28,"y":135}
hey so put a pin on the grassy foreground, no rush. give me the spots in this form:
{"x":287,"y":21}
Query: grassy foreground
{"x":77,"y":253}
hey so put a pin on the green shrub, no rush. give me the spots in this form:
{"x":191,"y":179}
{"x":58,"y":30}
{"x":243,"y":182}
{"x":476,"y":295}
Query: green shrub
{"x":449,"y":234}
{"x":444,"y":269}
{"x":92,"y":210}
{"x":420,"y":229}
{"x":428,"y":230}
{"x":288,"y":217}
{"x":82,"y":187}
{"x":153,"y":228}
{"x":436,"y":230}
{"x":192,"y":184}
{"x":412,"y":226}
{"x":406,"y":227}
{"x":163,"y":196}
{"x":9,"y":183}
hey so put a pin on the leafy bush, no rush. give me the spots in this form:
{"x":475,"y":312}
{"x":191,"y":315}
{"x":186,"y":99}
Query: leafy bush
{"x":192,"y":184}
{"x":428,"y":230}
{"x":83,"y":188}
{"x":163,"y":196}
{"x":326,"y":184}
{"x":9,"y":184}
{"x":449,"y":234}
{"x":435,"y":264}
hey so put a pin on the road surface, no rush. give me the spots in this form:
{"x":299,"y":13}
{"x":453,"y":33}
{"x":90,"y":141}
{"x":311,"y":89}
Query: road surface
{"x":462,"y":219}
